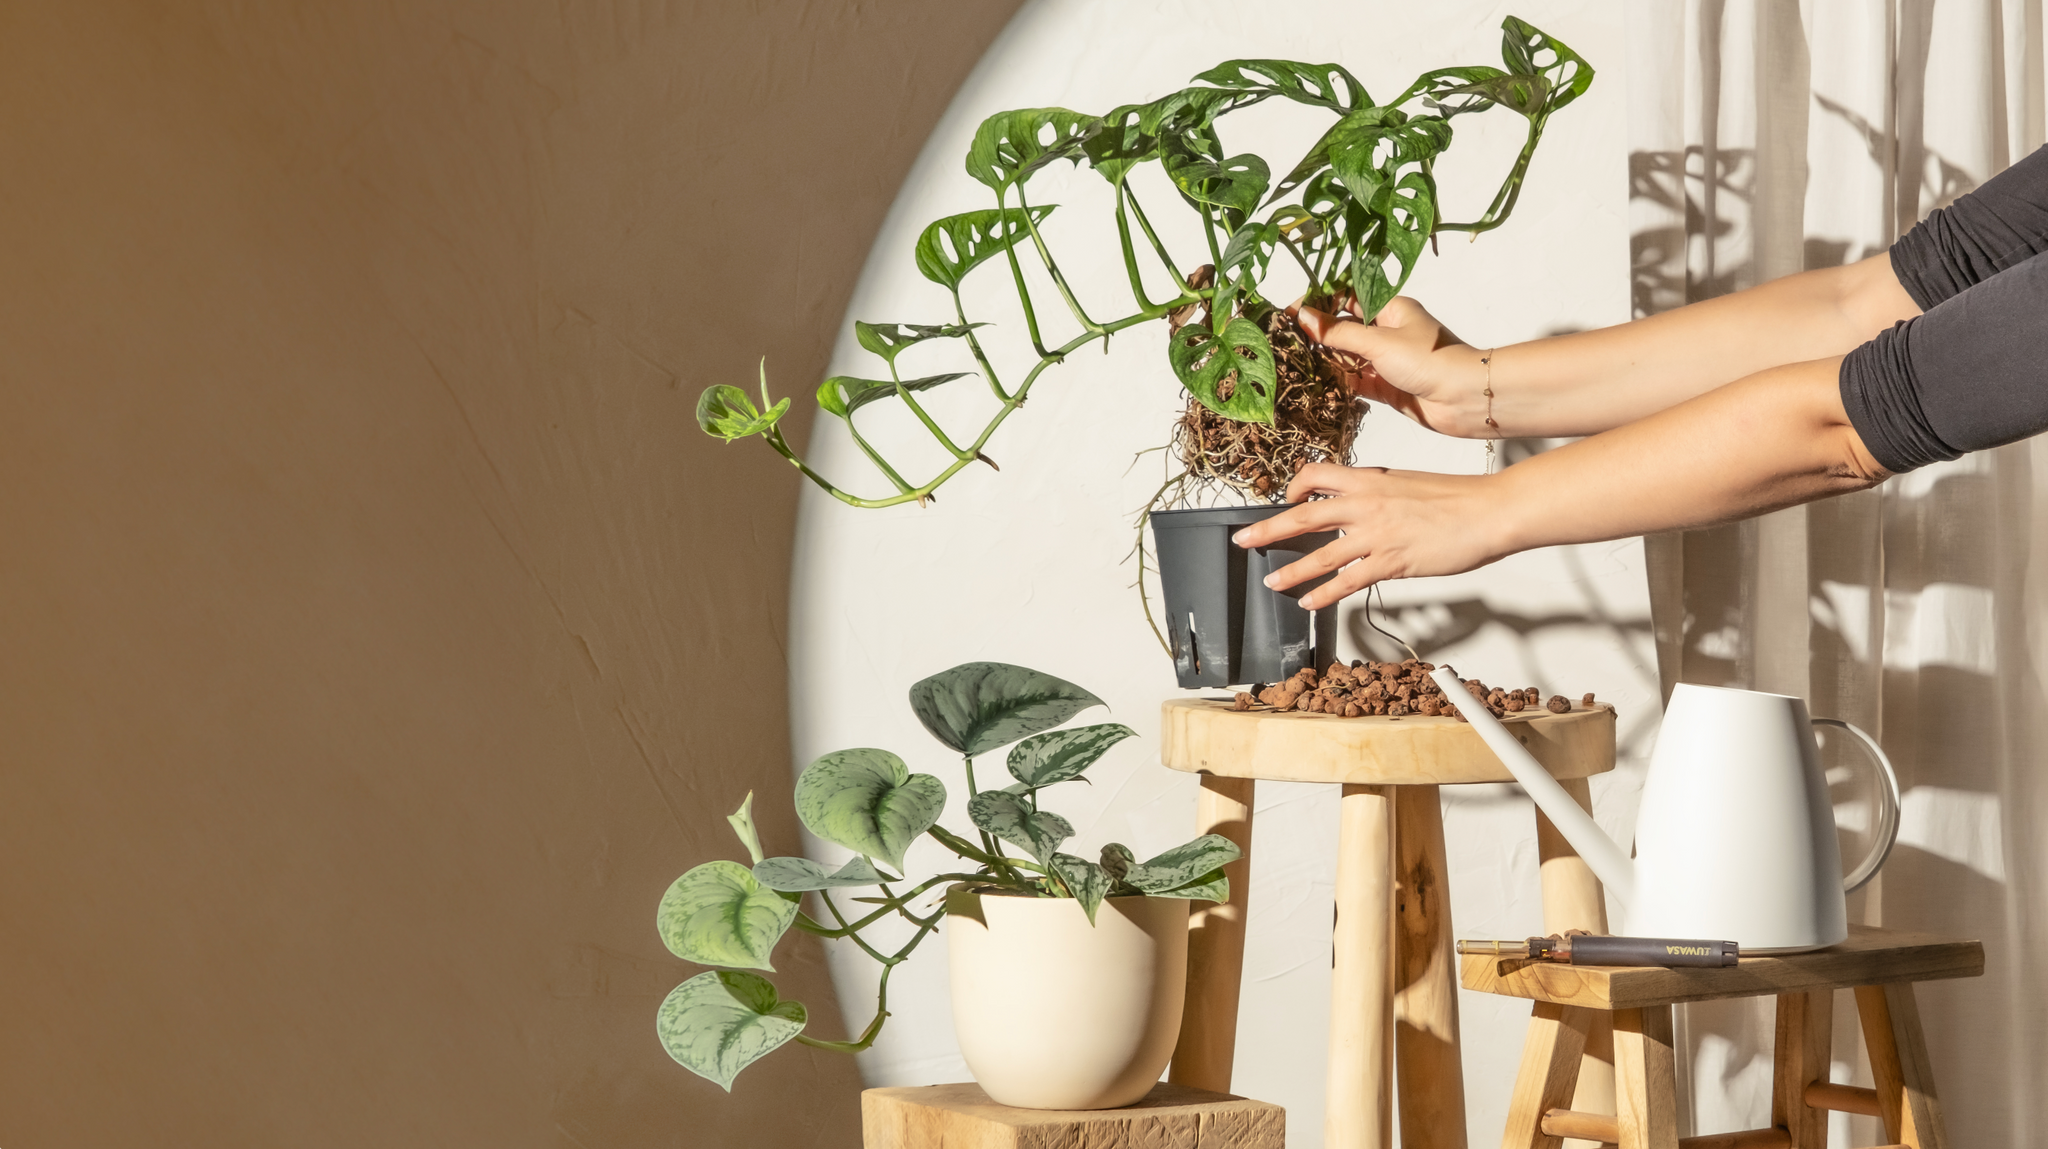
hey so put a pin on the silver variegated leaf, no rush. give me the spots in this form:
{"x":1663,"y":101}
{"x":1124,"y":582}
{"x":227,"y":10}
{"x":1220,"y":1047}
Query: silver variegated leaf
{"x":1088,"y":882}
{"x":868,"y":801}
{"x":797,"y":875}
{"x":1117,"y":860}
{"x":718,"y":914}
{"x":1007,"y":817}
{"x":979,"y":706}
{"x":1058,"y":755}
{"x":718,"y":1023}
{"x":1183,"y":864}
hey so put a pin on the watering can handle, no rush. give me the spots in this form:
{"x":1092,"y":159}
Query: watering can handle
{"x":1888,"y":823}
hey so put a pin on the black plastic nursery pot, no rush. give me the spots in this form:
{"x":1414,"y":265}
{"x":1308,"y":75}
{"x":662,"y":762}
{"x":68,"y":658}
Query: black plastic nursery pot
{"x":1225,"y":626}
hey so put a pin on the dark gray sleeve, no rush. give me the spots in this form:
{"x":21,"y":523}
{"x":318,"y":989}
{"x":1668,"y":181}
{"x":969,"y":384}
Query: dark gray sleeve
{"x":1970,"y":373}
{"x":2000,"y":225}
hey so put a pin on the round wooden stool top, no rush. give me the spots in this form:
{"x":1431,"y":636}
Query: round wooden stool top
{"x":1203,"y":736}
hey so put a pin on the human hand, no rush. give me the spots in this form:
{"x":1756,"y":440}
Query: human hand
{"x":1396,"y":524}
{"x":1413,"y":363}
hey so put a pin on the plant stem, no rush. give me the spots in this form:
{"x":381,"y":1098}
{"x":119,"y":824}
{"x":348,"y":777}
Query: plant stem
{"x":1053,"y":269}
{"x":811,"y":925}
{"x":988,"y":371}
{"x":1158,"y":248}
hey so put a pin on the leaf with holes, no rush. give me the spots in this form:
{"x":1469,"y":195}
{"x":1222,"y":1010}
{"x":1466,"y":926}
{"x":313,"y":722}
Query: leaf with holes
{"x":1088,"y":882}
{"x":978,"y":706}
{"x":1326,"y":85}
{"x":957,"y":244}
{"x":718,"y":914}
{"x":1010,"y":146}
{"x":889,"y":340}
{"x":1045,"y":759}
{"x":1006,"y":816}
{"x":1232,"y":373}
{"x":1233,"y":183}
{"x":1522,"y":46}
{"x":1453,"y":91}
{"x":1186,"y":863}
{"x":868,"y":801}
{"x":797,"y":875}
{"x":716,"y":1024}
{"x":1368,"y":149}
{"x":1119,"y":143}
{"x":1407,"y":212}
{"x":842,"y":395}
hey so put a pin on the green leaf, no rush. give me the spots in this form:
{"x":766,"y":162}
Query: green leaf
{"x":726,"y":412}
{"x":1088,"y":881}
{"x":718,"y":1023}
{"x":889,"y":340}
{"x":978,"y":706}
{"x":742,"y":821}
{"x":1232,"y":374}
{"x":1117,"y":860}
{"x":1465,"y":86}
{"x":1044,"y":759}
{"x":1010,"y":146}
{"x":796,"y":875}
{"x":1195,"y":861}
{"x":717,"y":914}
{"x":1326,"y":85}
{"x":1252,"y":245}
{"x":1120,"y":142}
{"x":951,"y":247}
{"x":1407,"y":213}
{"x":1210,"y":887}
{"x":868,"y":801}
{"x":1528,"y":50}
{"x":1368,"y":148}
{"x":1007,"y":817}
{"x":842,"y":395}
{"x":1234,"y":183}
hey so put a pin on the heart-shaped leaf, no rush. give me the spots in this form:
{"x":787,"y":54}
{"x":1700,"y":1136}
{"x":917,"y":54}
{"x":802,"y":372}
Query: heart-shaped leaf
{"x":718,"y":914}
{"x":742,"y":822}
{"x":1010,"y":146}
{"x":1527,"y":50}
{"x":868,"y":801}
{"x":726,"y":412}
{"x":718,"y":1023}
{"x":1007,"y":817}
{"x":1058,"y":755}
{"x":977,"y":706}
{"x":1117,"y":860}
{"x":889,"y":340}
{"x":796,"y":875}
{"x":1088,"y":882}
{"x":1326,"y":85}
{"x":842,"y":395}
{"x":1210,"y":887}
{"x":1185,"y":863}
{"x":950,"y":248}
{"x":1232,"y":373}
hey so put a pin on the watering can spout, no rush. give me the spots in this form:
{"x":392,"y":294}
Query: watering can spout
{"x":1609,"y":862}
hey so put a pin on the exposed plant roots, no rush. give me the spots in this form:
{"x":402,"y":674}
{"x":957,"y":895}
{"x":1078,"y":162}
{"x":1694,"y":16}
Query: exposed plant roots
{"x":1315,"y":419}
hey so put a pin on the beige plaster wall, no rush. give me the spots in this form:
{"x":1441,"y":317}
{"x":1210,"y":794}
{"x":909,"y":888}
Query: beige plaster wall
{"x":378,"y":636}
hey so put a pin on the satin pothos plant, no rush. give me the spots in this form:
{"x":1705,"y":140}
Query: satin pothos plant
{"x":729,"y":915}
{"x":1353,"y":214}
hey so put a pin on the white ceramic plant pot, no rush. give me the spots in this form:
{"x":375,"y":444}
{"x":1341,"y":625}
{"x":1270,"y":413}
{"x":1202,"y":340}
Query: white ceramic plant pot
{"x":1053,"y":1013}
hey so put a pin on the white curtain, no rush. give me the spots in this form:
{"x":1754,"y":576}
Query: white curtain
{"x":1771,"y":136}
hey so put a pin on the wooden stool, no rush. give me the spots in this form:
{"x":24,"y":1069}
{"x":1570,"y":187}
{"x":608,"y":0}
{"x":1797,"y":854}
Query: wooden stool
{"x":962,"y":1117}
{"x":1880,"y":965}
{"x":1392,"y":988}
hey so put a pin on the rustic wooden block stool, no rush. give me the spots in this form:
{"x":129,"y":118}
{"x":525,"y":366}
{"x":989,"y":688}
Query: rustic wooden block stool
{"x":1394,"y":1001}
{"x":1170,"y":1117}
{"x":1880,"y":965}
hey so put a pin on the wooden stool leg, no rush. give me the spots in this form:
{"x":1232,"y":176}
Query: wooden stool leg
{"x":1357,"y":1114}
{"x":1899,"y":1064}
{"x":1806,"y":1023}
{"x":1645,"y":1078}
{"x":1428,"y":1071}
{"x":1549,"y":1072}
{"x":1208,"y":1021}
{"x":1574,"y":900}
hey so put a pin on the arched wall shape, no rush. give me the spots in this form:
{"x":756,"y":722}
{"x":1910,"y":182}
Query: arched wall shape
{"x":1030,"y":565}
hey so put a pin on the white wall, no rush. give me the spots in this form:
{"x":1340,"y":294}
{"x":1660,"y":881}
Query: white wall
{"x":1028,"y":565}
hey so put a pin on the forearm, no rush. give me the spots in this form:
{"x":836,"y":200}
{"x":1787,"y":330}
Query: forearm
{"x":1592,"y":381}
{"x":1775,"y":439}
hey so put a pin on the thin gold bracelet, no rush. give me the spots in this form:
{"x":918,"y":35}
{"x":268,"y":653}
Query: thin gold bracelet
{"x":1487,"y":361}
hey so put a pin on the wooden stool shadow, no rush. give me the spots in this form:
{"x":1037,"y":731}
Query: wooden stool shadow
{"x":1879,"y":965}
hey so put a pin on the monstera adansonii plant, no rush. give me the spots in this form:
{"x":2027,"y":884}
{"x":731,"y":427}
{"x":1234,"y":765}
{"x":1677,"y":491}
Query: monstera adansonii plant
{"x":1353,"y":215}
{"x":730,"y":915}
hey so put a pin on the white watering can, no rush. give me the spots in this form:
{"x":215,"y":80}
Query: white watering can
{"x":1735,"y":840}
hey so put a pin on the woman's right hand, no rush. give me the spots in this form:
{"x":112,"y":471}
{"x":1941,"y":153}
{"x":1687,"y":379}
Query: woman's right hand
{"x":1412,"y":363}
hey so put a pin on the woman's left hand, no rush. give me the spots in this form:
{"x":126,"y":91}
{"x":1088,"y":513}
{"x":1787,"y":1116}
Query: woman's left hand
{"x":1396,"y":524}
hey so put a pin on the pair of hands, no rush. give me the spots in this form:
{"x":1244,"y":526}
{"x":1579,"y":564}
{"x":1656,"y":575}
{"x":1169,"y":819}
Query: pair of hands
{"x":1395,"y":524}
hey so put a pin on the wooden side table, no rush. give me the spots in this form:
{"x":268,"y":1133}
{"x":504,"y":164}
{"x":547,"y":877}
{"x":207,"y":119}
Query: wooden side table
{"x":1880,"y":965}
{"x":1170,"y":1117}
{"x":1394,"y":1003}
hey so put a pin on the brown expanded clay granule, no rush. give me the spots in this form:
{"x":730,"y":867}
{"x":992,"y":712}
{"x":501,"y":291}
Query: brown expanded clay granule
{"x":1392,"y":689}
